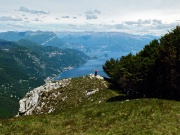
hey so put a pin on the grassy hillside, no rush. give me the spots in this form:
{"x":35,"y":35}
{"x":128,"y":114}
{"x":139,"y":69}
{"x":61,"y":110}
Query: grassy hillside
{"x":105,"y":112}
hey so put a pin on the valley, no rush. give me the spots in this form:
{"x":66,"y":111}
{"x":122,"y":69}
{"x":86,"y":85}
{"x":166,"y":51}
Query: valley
{"x":94,"y":67}
{"x":28,"y":59}
{"x":53,"y":90}
{"x":25,"y":64}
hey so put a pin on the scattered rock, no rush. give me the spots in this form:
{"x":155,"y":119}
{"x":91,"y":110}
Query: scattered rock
{"x":90,"y":92}
{"x":64,"y":98}
{"x":98,"y":76}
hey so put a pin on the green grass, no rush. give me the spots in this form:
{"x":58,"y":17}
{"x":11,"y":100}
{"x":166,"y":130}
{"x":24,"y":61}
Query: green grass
{"x":92,"y":117}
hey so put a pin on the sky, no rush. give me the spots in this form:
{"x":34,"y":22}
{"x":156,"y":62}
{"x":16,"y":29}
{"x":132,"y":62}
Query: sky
{"x":131,"y":16}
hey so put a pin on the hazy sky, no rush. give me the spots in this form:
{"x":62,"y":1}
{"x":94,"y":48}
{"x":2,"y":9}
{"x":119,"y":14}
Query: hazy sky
{"x":133,"y":16}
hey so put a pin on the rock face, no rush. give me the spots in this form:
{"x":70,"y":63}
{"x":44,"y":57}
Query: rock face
{"x":31,"y":99}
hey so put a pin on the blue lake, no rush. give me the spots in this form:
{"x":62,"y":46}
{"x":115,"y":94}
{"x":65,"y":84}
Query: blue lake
{"x":91,"y":65}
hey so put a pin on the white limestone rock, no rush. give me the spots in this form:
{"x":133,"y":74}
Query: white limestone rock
{"x":98,"y":77}
{"x":90,"y":92}
{"x":31,"y":100}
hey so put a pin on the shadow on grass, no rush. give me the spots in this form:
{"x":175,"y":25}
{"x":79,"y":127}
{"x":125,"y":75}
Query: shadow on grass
{"x":113,"y":86}
{"x":120,"y":98}
{"x":123,"y":95}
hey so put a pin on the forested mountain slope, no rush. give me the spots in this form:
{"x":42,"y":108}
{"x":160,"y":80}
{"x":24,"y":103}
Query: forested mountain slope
{"x":25,"y":65}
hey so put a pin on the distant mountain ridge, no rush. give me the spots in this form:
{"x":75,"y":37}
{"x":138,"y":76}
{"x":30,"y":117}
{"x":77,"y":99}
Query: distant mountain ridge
{"x":45,"y":38}
{"x":84,"y":41}
{"x":104,"y":41}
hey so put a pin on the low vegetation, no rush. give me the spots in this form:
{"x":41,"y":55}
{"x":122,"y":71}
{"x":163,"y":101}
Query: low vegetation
{"x":105,"y":112}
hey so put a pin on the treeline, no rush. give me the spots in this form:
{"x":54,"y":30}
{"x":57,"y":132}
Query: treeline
{"x":153,"y":72}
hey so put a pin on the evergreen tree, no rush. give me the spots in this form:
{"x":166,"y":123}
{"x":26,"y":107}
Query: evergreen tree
{"x":154,"y":71}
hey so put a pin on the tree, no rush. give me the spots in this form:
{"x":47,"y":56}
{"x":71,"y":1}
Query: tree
{"x":111,"y":68}
{"x":154,"y":71}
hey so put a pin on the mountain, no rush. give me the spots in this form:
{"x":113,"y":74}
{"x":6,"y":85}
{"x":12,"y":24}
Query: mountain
{"x":104,"y":41}
{"x":84,"y":41}
{"x":41,"y":37}
{"x":91,"y":105}
{"x":25,"y":64}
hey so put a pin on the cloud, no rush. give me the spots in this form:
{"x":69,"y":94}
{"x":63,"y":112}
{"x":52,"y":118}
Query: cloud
{"x":92,"y":14}
{"x":37,"y":20}
{"x":95,"y":11}
{"x":10,"y":18}
{"x":140,"y":26}
{"x":65,"y":17}
{"x":57,"y":18}
{"x":156,"y":22}
{"x":89,"y":17}
{"x":119,"y":26}
{"x":25,"y":9}
{"x":138,"y":22}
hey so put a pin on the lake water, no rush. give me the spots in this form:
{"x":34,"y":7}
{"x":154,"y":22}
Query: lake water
{"x":91,"y":65}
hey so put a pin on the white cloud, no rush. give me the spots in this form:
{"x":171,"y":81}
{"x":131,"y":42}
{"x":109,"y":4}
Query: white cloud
{"x":139,"y":22}
{"x":95,"y":11}
{"x":65,"y":16}
{"x":25,"y":9}
{"x":157,"y":22}
{"x":91,"y":16}
{"x":57,"y":18}
{"x":37,"y":20}
{"x":140,"y":26}
{"x":119,"y":26}
{"x":10,"y":18}
{"x":134,"y":16}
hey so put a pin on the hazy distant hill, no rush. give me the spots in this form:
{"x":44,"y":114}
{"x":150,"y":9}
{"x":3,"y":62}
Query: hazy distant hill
{"x":84,"y":41}
{"x":25,"y":64}
{"x":104,"y":41}
{"x":41,"y":37}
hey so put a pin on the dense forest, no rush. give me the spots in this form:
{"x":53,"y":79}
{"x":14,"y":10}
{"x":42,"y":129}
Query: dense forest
{"x":152,"y":72}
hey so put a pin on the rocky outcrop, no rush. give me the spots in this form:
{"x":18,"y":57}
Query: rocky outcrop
{"x":31,"y":100}
{"x":44,"y":99}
